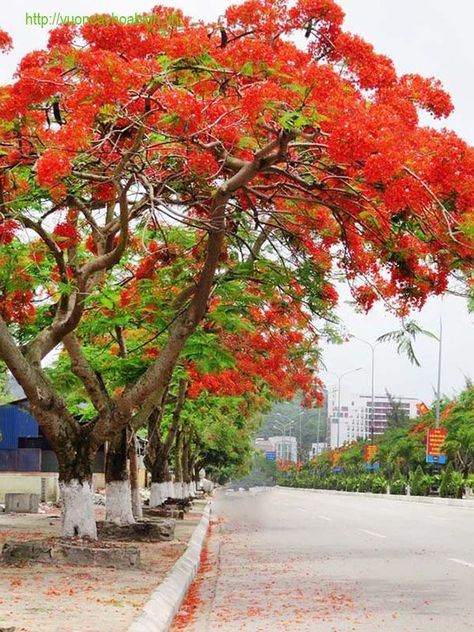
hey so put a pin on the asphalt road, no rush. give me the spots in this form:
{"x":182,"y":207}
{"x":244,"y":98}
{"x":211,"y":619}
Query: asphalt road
{"x":301,"y":561}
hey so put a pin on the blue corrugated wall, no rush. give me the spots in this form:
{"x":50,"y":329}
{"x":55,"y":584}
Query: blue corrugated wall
{"x":15,"y":422}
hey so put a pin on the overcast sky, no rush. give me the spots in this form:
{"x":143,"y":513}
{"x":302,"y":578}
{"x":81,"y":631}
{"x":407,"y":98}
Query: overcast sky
{"x":431,"y":37}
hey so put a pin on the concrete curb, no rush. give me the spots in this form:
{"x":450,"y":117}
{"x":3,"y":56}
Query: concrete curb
{"x":160,"y":610}
{"x":463,"y":503}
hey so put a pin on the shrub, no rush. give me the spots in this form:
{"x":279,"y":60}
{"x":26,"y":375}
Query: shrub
{"x":378,"y":484}
{"x":398,"y":483}
{"x":458,"y":484}
{"x":452,"y":483}
{"x":398,"y":486}
{"x":470,"y":482}
{"x":341,"y":483}
{"x":420,"y":482}
{"x":364,"y":483}
{"x":352,"y":484}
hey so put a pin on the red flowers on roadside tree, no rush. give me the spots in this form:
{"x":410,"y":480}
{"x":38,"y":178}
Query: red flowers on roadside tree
{"x":308,"y":159}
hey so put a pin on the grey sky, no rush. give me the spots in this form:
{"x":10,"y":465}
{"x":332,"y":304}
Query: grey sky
{"x":431,"y":37}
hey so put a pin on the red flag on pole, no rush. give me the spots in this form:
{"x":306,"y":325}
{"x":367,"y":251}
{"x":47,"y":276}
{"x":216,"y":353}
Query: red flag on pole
{"x":422,"y":408}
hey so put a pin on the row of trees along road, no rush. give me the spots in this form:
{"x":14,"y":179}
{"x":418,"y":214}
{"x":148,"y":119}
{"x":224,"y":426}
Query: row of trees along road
{"x":176,"y":195}
{"x":401,"y":456}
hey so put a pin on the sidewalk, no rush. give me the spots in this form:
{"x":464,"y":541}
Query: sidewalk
{"x":68,"y":598}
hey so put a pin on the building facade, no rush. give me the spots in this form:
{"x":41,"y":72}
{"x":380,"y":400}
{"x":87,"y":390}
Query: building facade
{"x":354,"y":419}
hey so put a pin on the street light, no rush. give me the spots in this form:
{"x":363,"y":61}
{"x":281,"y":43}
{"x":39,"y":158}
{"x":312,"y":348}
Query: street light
{"x":440,"y":353}
{"x":339,"y":378}
{"x":317,"y":430}
{"x":283,"y":429}
{"x":372,"y":412}
{"x":293,"y":421}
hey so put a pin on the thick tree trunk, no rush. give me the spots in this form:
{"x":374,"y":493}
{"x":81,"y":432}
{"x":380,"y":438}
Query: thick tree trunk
{"x":118,"y":496}
{"x":160,"y":478}
{"x":78,"y":514}
{"x":158,"y":451}
{"x":75,"y":484}
{"x":137,"y":509}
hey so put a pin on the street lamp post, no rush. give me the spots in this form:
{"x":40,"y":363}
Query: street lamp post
{"x":292,"y":421}
{"x":372,"y":411}
{"x":438,"y":388}
{"x":317,"y":431}
{"x":339,"y":378}
{"x":283,"y":429}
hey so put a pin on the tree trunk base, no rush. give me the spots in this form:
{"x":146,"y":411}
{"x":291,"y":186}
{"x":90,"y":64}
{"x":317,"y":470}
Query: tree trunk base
{"x":165,"y":511}
{"x":137,"y":508}
{"x":118,"y":503}
{"x":169,"y":489}
{"x":159,"y":493}
{"x":178,"y":490}
{"x":78,"y":515}
{"x":144,"y":531}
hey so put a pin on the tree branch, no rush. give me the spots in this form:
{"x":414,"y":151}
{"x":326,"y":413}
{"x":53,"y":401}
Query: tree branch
{"x":92,"y":382}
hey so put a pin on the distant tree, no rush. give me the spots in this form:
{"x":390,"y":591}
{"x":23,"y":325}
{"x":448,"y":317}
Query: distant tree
{"x":397,"y":417}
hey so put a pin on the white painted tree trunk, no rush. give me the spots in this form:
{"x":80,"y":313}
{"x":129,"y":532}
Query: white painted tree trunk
{"x":158,"y":494}
{"x":137,"y":508}
{"x":178,"y":490}
{"x":165,"y":490}
{"x":118,"y":503}
{"x":78,"y":515}
{"x":169,"y":489}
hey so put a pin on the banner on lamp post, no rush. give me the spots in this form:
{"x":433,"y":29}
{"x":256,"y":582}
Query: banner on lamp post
{"x":371,"y":452}
{"x":435,"y":438}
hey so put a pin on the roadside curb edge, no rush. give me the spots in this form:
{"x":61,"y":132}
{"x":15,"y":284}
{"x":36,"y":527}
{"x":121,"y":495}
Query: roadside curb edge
{"x":160,"y":609}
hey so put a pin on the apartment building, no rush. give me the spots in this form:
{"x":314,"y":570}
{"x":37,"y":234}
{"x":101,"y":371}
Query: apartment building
{"x":354,"y":419}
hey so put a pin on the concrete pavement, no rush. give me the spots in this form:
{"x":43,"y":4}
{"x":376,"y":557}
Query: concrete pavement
{"x":292,"y":560}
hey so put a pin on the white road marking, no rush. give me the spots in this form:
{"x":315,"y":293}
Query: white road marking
{"x":325,"y":518}
{"x":462,"y":562}
{"x":300,"y":509}
{"x":377,"y":535}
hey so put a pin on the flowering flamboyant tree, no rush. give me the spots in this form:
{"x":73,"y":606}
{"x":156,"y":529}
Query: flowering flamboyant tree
{"x":254,"y":344}
{"x":231,"y":128}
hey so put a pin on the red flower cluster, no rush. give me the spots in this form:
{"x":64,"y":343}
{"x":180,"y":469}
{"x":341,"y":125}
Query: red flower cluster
{"x":66,"y":235}
{"x":7,"y":231}
{"x":6,"y":42}
{"x":17,"y":307}
{"x":202,"y":164}
{"x":51,"y":167}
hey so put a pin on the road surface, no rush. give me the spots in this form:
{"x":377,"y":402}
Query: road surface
{"x":287,"y":559}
